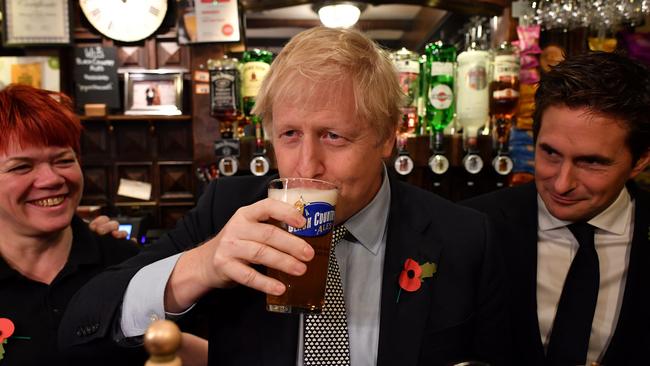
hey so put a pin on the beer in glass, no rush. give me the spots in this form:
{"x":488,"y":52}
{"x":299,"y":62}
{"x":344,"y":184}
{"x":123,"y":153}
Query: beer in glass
{"x":316,"y":200}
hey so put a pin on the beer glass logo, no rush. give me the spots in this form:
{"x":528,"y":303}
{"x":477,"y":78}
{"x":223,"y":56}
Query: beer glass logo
{"x":319,"y":216}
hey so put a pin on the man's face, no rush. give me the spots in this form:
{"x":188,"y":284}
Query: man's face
{"x":40,"y":188}
{"x":582,"y":162}
{"x":323,"y":140}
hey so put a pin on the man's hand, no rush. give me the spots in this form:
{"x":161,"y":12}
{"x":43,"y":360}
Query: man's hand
{"x":103,"y":225}
{"x":226,"y":259}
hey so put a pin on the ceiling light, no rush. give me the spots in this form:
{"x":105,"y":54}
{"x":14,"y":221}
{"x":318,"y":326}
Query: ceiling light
{"x":339,"y":14}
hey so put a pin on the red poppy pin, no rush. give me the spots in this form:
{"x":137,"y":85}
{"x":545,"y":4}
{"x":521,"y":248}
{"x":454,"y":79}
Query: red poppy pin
{"x":6,"y":330}
{"x":413,"y":274}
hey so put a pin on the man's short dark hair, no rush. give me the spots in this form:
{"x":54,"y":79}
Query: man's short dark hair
{"x":610,"y":84}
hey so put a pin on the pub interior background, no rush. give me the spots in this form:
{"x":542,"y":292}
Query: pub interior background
{"x":164,"y":88}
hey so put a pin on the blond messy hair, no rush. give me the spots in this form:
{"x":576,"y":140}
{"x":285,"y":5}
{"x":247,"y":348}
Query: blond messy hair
{"x":330,"y":59}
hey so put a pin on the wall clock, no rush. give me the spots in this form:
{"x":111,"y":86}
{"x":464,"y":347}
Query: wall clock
{"x":125,"y":20}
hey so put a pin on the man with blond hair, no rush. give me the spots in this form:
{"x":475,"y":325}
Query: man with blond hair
{"x":330,"y":104}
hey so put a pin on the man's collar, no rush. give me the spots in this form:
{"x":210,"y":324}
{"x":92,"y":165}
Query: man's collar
{"x":614,"y":219}
{"x":368,"y":225}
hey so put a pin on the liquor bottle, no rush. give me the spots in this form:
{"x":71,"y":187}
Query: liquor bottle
{"x":440,"y":84}
{"x":504,"y":87}
{"x":408,"y":69}
{"x":472,"y":98}
{"x":256,"y":64}
{"x":472,"y":89}
{"x":422,"y":127}
{"x":504,"y":96}
{"x":472,"y":93}
{"x":225,"y":93}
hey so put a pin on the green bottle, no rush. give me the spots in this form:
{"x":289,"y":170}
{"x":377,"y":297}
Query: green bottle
{"x":422,"y":127}
{"x":256,"y":64}
{"x":440,"y":101}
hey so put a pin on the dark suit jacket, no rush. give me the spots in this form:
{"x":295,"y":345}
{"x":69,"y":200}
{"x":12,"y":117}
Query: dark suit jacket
{"x":456,"y":315}
{"x":514,"y":215}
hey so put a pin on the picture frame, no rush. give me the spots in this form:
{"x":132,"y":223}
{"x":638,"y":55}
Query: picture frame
{"x":153,"y":92}
{"x":38,"y":23}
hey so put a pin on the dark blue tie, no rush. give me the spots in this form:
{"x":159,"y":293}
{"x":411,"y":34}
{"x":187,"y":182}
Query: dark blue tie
{"x":569,"y":341}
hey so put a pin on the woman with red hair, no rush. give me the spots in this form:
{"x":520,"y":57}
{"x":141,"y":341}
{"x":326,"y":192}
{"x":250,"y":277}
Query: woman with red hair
{"x":46,"y":251}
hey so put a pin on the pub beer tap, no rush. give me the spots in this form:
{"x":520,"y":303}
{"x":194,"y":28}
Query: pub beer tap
{"x":403,"y":162}
{"x":260,"y":164}
{"x":227,"y":152}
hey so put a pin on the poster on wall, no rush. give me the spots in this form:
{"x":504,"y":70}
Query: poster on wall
{"x":37,"y":22}
{"x":39,"y":72}
{"x":208,"y":21}
{"x":95,"y":76}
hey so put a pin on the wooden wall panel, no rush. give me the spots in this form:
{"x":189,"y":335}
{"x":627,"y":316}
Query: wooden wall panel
{"x":176,"y":181}
{"x":133,"y":140}
{"x":174,"y":140}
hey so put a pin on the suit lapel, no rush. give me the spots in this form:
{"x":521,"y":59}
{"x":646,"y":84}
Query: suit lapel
{"x":401,"y":327}
{"x":636,"y":300}
{"x":520,"y":219}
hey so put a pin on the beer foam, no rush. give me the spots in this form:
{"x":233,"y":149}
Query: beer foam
{"x":293,"y":195}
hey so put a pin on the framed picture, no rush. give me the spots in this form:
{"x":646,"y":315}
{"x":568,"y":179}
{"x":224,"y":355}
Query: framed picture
{"x":156,"y":92}
{"x":43,"y":22}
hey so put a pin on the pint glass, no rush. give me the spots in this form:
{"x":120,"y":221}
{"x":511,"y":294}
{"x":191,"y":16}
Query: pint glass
{"x":316,"y":200}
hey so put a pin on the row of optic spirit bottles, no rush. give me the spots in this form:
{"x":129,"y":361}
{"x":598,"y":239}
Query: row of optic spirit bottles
{"x":476,"y":90}
{"x":234,"y":87}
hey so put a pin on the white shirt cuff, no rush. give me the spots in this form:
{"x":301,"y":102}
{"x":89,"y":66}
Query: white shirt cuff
{"x":144,"y":300}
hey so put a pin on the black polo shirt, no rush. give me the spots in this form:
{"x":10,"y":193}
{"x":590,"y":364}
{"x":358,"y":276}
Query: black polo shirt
{"x":36,"y":308}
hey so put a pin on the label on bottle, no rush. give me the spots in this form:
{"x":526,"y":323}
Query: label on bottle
{"x":224,"y":90}
{"x":319,"y":216}
{"x":476,"y":77}
{"x":506,"y":67}
{"x":441,"y":96}
{"x":442,"y":68}
{"x":422,"y":108}
{"x":407,"y":66}
{"x":472,"y":94}
{"x":253,"y":74}
{"x":409,"y":82}
{"x":507,"y":93}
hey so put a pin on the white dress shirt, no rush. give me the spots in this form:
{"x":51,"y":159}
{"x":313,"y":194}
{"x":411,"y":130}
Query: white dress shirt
{"x":555,"y":251}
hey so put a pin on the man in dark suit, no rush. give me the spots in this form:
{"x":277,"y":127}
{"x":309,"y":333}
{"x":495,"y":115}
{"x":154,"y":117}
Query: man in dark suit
{"x":330,"y":104}
{"x":578,"y":301}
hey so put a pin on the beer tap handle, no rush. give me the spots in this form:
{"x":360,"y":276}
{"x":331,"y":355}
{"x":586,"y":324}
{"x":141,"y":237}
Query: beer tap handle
{"x":162,"y":340}
{"x":403,"y":163}
{"x":438,"y":162}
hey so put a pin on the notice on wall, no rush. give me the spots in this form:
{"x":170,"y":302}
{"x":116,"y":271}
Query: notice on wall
{"x":37,"y":71}
{"x":134,"y":189}
{"x":217,"y":21}
{"x":95,"y":76}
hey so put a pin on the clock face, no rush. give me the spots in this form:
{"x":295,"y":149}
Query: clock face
{"x":125,"y":20}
